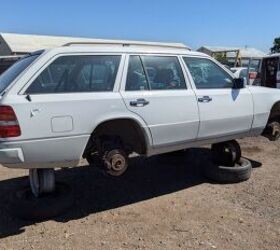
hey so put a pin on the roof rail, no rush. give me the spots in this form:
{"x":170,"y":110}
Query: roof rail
{"x":129,"y":43}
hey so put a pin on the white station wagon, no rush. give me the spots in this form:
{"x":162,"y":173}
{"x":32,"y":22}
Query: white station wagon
{"x":106,"y":101}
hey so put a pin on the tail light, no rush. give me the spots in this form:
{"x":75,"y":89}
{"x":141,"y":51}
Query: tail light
{"x":9,"y":126}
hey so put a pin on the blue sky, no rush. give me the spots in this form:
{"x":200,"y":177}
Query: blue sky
{"x":253,"y":23}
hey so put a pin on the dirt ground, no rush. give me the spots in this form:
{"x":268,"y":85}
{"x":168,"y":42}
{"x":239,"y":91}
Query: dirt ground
{"x":161,"y":203}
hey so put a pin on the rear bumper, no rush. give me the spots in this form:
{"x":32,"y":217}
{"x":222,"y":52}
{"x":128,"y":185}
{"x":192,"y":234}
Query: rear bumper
{"x":43,"y":153}
{"x":11,"y":156}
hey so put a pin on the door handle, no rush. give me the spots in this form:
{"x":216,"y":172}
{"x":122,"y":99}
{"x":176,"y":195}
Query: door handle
{"x":204,"y":99}
{"x":139,"y":103}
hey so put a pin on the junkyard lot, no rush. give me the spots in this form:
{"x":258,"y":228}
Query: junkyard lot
{"x":161,"y":203}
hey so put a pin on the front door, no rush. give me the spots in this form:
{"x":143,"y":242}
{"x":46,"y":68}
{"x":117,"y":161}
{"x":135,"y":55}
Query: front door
{"x":223,"y":110}
{"x":155,"y":89}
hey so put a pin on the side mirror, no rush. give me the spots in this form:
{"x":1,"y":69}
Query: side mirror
{"x":238,"y":83}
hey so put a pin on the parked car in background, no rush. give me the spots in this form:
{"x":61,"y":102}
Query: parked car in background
{"x":270,"y":71}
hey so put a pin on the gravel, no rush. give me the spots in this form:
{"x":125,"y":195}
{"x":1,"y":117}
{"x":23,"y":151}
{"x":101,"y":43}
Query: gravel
{"x":161,"y":203}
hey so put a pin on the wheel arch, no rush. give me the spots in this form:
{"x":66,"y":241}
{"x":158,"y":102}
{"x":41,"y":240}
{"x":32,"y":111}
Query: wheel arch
{"x":274,"y":112}
{"x":272,"y":128}
{"x":128,"y":128}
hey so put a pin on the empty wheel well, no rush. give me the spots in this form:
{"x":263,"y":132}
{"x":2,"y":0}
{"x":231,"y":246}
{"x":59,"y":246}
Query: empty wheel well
{"x":129,"y":132}
{"x":272,"y":129}
{"x":274,"y":113}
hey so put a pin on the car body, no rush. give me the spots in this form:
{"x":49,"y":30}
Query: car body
{"x":270,"y":71}
{"x":54,"y":103}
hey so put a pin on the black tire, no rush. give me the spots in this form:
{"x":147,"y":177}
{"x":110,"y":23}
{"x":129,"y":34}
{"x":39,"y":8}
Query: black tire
{"x":241,"y":171}
{"x":226,"y":153}
{"x":110,"y":164}
{"x":26,"y":206}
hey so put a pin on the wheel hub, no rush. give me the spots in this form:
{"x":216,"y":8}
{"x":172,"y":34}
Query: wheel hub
{"x":118,"y":162}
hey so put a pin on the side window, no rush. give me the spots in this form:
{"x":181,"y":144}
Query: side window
{"x":207,"y":74}
{"x":159,"y":73}
{"x":136,"y":78}
{"x":164,"y":72}
{"x":77,"y":74}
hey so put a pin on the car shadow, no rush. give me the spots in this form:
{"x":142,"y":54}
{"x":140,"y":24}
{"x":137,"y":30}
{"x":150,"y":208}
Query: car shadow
{"x":93,"y":192}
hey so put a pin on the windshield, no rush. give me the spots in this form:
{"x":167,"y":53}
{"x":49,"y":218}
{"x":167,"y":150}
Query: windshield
{"x":10,"y":74}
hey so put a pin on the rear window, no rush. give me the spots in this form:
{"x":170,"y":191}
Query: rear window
{"x":83,"y":73}
{"x":11,"y":74}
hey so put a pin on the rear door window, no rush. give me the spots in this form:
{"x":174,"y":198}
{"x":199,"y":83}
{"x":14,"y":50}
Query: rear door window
{"x":154,"y":73}
{"x":164,"y":72}
{"x":77,"y":74}
{"x":136,"y":77}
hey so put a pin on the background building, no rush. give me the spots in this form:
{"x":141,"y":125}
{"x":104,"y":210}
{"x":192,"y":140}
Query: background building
{"x":235,"y":56}
{"x":13,"y":46}
{"x":21,"y":44}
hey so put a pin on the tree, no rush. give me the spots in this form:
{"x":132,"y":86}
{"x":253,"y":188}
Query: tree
{"x":276,"y":45}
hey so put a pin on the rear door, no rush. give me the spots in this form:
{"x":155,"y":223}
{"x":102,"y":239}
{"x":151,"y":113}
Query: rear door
{"x":155,"y":89}
{"x":223,"y":110}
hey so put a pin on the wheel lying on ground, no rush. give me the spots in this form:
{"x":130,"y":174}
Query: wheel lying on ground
{"x":226,"y":153}
{"x":240,"y":171}
{"x":25,"y":205}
